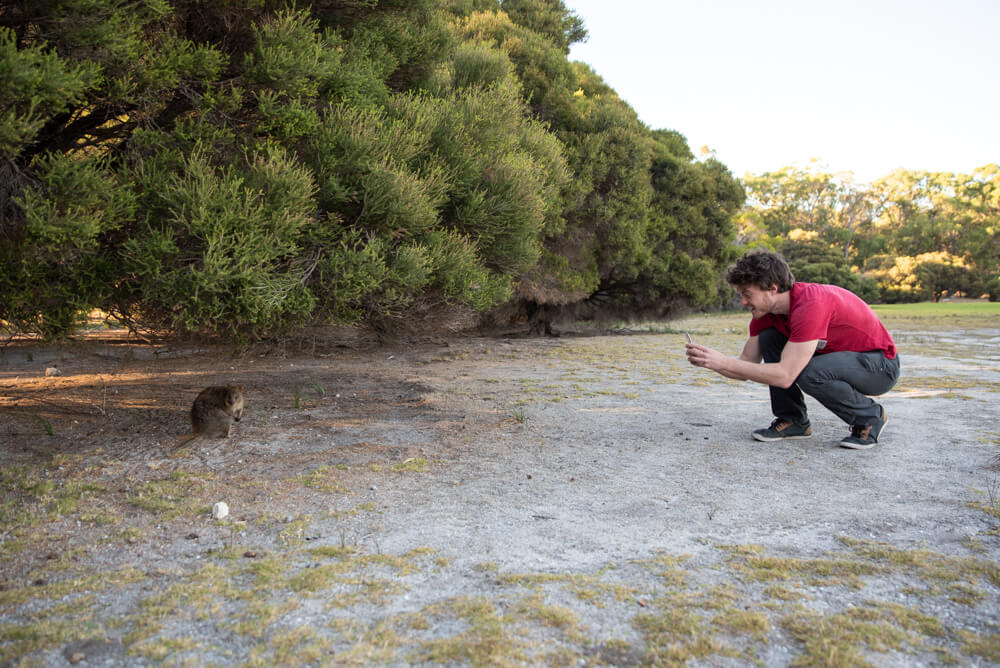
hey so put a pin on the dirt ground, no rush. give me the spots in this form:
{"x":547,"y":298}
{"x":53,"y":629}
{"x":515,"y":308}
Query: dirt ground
{"x":585,"y":500}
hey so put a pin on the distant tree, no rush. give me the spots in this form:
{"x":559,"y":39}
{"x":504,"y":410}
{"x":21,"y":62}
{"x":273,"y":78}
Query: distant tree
{"x":814,"y":261}
{"x":942,"y":278}
{"x":977,"y":208}
{"x":928,"y":276}
{"x":916,"y":212}
{"x":882,"y":229}
{"x":830,"y":205}
{"x":793,"y":198}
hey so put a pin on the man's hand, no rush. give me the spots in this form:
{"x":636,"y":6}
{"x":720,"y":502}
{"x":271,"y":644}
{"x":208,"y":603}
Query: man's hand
{"x":794,"y":358}
{"x":703,"y":356}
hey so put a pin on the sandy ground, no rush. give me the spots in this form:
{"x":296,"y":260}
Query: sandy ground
{"x":586,"y":500}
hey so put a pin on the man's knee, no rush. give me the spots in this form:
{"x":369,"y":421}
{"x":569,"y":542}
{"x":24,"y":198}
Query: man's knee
{"x":812,"y":379}
{"x":771,"y":343}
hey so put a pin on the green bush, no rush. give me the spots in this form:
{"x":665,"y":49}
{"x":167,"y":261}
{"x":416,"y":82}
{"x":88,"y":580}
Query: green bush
{"x":236,"y":171}
{"x":215,"y":255}
{"x":37,"y":84}
{"x":56,"y":267}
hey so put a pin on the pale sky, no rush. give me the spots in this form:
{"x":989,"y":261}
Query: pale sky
{"x":865,"y":86}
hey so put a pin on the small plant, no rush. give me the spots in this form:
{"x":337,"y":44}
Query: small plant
{"x":518,"y":414}
{"x":418,"y":464}
{"x":43,"y":423}
{"x":299,"y":390}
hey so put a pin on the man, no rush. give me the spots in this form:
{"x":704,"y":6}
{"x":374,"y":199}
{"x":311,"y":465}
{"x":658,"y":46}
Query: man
{"x":818,"y":339}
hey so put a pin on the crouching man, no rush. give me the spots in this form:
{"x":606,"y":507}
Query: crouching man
{"x":821,"y":340}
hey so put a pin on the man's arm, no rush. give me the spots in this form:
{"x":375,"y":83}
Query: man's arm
{"x":747,"y":366}
{"x":751,"y":353}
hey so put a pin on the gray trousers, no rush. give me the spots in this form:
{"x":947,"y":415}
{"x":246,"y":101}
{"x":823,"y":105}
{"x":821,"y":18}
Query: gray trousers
{"x":840,"y":381}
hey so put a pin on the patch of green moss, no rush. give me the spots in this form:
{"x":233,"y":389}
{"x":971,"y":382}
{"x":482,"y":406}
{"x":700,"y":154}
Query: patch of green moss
{"x":985,"y":646}
{"x":181,"y":494}
{"x":412,"y":465}
{"x":552,"y":616}
{"x":678,"y":635}
{"x":257,"y":616}
{"x":324,"y":479}
{"x":293,"y":647}
{"x":753,"y":564}
{"x":485,"y":641}
{"x":744,"y":622}
{"x":929,"y":565}
{"x":69,"y":586}
{"x":587,"y":588}
{"x":842,"y":639}
{"x":20,"y":639}
{"x":195,"y":596}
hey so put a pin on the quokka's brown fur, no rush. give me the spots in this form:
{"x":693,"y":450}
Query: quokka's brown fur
{"x":215,"y":409}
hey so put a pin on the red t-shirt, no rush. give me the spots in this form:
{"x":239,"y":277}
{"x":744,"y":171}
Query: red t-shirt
{"x":838,"y":318}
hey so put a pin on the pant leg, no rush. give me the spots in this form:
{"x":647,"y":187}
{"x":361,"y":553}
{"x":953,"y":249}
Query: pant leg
{"x":843,"y":381}
{"x":787,"y":404}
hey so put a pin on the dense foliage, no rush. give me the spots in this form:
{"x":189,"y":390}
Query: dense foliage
{"x":910,"y":236}
{"x":241,"y":167}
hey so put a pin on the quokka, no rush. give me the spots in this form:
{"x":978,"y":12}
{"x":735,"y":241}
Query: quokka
{"x":215,"y":409}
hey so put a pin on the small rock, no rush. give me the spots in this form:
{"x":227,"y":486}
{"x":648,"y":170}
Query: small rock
{"x":220,"y":510}
{"x":52,"y":371}
{"x":250,"y":554}
{"x":77,"y":657}
{"x":192,"y":536}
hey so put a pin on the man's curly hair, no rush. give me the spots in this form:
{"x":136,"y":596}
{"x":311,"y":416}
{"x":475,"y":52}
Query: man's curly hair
{"x":763,"y":269}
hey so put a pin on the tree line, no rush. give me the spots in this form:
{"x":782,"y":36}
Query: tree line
{"x":909,"y":236}
{"x":240,"y":168}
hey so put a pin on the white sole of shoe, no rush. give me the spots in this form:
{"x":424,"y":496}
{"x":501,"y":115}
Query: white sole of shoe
{"x":858,"y":446}
{"x":772,"y":439}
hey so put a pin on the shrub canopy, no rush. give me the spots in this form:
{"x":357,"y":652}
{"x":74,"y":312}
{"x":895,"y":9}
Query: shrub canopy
{"x":238,"y":169}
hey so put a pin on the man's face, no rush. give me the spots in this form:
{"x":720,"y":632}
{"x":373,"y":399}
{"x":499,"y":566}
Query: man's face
{"x":760,"y":302}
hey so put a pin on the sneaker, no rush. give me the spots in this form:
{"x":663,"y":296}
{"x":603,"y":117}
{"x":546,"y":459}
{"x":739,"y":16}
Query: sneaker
{"x":783,"y":430}
{"x":865,"y":436}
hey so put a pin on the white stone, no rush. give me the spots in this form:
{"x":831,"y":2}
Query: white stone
{"x":220,"y":510}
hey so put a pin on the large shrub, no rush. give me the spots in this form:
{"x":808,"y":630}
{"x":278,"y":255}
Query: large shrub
{"x":238,"y":170}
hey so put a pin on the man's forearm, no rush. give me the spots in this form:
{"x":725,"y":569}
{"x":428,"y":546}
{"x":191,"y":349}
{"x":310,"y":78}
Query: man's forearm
{"x":766,"y":374}
{"x":730,"y":374}
{"x":748,"y":366}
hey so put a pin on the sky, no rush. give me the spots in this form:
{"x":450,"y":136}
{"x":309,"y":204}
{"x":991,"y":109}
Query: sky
{"x":860,"y":86}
